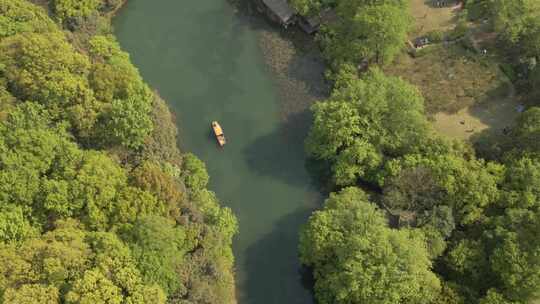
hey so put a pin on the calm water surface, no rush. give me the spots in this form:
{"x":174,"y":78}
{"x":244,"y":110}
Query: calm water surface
{"x":206,"y":62}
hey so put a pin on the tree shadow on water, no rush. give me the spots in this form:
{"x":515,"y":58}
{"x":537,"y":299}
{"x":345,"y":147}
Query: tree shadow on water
{"x":274,"y":273}
{"x":280,"y":154}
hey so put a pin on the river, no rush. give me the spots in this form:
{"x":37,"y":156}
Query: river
{"x":206,"y":61}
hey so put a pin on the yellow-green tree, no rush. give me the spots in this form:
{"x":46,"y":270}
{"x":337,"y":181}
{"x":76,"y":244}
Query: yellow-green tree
{"x":356,"y":258}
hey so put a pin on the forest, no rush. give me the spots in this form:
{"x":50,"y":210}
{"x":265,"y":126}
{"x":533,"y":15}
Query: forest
{"x":414,"y":216}
{"x":97,"y":204}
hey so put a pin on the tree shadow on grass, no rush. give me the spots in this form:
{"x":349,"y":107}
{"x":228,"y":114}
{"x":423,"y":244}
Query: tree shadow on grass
{"x":498,"y":113}
{"x":487,"y":118}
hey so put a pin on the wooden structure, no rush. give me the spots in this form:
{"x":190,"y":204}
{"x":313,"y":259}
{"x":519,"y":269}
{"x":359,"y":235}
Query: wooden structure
{"x":219,"y":133}
{"x":278,"y":11}
{"x":421,"y":42}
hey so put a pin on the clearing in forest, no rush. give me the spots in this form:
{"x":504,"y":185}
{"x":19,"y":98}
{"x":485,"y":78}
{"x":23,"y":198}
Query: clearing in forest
{"x":429,"y":18}
{"x":493,"y":115}
{"x":464,"y":89}
{"x":452,"y":78}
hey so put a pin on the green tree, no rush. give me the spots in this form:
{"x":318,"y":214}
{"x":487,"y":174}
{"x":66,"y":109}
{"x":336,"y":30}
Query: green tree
{"x":158,"y":248}
{"x":468,"y":259}
{"x":128,"y":123}
{"x":79,"y":266}
{"x":449,"y":295}
{"x":367,"y":30}
{"x":117,"y":83}
{"x":14,"y":224}
{"x":469,"y":187}
{"x":527,"y":131}
{"x":132,"y":203}
{"x":95,"y":188}
{"x":115,"y":261}
{"x":512,"y":18}
{"x":311,"y":7}
{"x":515,"y":261}
{"x":194,"y":172}
{"x":31,"y":147}
{"x":162,"y":145}
{"x":52,"y":259}
{"x":364,"y":121}
{"x":32,"y":293}
{"x":350,"y":246}
{"x":94,"y":287}
{"x":112,"y":74}
{"x":521,"y":185}
{"x":70,"y":12}
{"x":100,"y":188}
{"x":46,"y":69}
{"x":493,"y":297}
{"x":151,"y":177}
{"x":20,"y":16}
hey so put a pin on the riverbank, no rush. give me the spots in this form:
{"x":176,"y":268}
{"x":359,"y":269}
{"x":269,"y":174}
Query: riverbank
{"x":292,"y":57}
{"x":206,"y":59}
{"x":298,"y":72}
{"x":298,"y":68}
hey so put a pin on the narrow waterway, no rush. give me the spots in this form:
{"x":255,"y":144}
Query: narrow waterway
{"x":206,"y":62}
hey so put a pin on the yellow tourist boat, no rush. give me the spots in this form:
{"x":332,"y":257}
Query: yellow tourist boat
{"x":219,"y":133}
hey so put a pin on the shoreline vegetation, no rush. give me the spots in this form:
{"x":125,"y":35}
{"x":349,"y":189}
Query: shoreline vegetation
{"x":97,"y":202}
{"x":446,"y":220}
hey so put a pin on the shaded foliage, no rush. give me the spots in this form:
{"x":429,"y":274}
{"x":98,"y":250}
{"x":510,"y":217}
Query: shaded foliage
{"x":372,"y":31}
{"x":364,"y":121}
{"x":349,"y":246}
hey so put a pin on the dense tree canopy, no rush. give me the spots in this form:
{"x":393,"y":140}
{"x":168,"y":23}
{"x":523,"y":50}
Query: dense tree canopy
{"x":469,"y":187}
{"x":364,"y":121}
{"x":97,"y":204}
{"x":158,"y":247}
{"x":22,"y":16}
{"x":311,"y":7}
{"x":474,"y":219}
{"x":518,"y":22}
{"x":75,"y":264}
{"x":527,"y":131}
{"x":70,"y":10}
{"x":367,"y":30}
{"x":358,"y":259}
{"x":45,"y":68}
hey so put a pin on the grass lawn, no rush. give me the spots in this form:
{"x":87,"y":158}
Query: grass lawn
{"x":428,"y":18}
{"x":492,"y":116}
{"x":465,"y":92}
{"x":451,"y":78}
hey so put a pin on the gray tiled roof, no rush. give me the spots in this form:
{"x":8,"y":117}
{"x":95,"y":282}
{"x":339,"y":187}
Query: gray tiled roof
{"x":281,"y":8}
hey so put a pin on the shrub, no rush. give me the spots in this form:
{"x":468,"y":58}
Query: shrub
{"x":508,"y":70}
{"x":459,"y":31}
{"x":435,"y":36}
